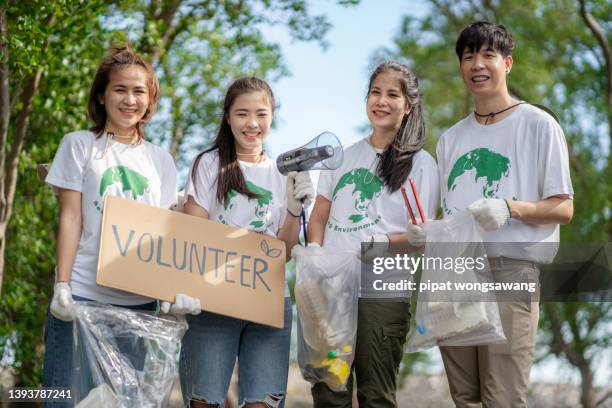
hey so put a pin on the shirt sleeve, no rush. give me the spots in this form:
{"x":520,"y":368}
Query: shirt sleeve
{"x":169,"y":183}
{"x":203,"y":191}
{"x":70,"y":162}
{"x":553,"y":161}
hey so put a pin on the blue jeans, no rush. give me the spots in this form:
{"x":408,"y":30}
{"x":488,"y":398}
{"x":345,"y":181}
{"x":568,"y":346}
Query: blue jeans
{"x":211,"y":346}
{"x":59,"y":346}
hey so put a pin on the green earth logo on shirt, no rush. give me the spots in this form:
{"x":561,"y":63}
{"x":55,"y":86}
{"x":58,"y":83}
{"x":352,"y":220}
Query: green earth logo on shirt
{"x":363,"y":186}
{"x":485,"y":169}
{"x":125,"y":179}
{"x":258,"y":222}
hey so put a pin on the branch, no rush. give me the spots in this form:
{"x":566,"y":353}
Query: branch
{"x":5,"y":97}
{"x":165,"y":16}
{"x":601,"y":38}
{"x":12,"y":162}
{"x":9,"y":176}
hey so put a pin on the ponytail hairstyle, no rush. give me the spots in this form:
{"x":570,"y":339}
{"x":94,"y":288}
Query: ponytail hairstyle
{"x":396,"y":161}
{"x":120,"y":57}
{"x":230,"y":176}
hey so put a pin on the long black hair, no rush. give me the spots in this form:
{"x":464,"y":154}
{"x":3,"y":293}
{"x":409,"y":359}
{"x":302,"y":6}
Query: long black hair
{"x":230,"y":176}
{"x":396,"y":161}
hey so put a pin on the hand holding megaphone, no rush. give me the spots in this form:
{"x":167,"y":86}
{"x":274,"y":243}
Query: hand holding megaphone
{"x":300,"y":192}
{"x":324,"y":152}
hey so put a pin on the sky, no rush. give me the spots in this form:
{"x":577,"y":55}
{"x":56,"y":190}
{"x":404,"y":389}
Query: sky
{"x":326,"y":92}
{"x":326,"y":89}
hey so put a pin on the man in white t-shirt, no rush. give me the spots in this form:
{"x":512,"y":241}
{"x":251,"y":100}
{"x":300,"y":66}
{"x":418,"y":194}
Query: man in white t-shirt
{"x":507,"y":163}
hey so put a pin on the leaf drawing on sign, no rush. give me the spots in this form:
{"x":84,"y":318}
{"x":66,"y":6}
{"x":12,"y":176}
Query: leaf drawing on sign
{"x":275,"y":253}
{"x":271,"y":252}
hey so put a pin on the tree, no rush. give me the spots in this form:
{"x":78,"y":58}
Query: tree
{"x":562,"y":60}
{"x":51,"y":44}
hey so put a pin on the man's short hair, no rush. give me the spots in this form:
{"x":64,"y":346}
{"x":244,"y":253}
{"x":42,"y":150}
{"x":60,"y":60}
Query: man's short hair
{"x":474,"y":36}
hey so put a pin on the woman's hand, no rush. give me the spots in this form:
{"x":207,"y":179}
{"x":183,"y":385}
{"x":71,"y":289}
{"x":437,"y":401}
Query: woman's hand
{"x":300,"y":192}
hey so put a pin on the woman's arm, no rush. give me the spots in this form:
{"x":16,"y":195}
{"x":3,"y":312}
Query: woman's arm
{"x":69,"y":232}
{"x":192,"y":208}
{"x":318,"y":219}
{"x":289,"y":233}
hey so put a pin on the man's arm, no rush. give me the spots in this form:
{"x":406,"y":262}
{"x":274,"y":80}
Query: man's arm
{"x":558,"y":209}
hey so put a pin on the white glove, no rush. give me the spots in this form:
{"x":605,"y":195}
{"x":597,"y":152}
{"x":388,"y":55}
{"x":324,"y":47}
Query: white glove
{"x":62,"y":305}
{"x":416,"y":234}
{"x":182,"y":305}
{"x":179,"y":206}
{"x":491,"y":213}
{"x":378,"y":247}
{"x":300,"y":192}
{"x":299,"y":250}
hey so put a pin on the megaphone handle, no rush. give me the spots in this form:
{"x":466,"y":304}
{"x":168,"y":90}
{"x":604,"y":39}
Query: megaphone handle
{"x":304,"y":226}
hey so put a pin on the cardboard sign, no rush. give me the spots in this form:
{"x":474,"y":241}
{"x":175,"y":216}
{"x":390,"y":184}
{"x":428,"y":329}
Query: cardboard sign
{"x":158,"y":253}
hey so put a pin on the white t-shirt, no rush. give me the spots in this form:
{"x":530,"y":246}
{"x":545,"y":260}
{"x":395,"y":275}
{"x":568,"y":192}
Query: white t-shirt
{"x":265,"y":215}
{"x":523,"y":157}
{"x":143,"y":172}
{"x":361,"y":204}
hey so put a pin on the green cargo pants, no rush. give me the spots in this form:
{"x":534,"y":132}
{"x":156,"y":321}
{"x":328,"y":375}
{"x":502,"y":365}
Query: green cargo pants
{"x":381,"y":333}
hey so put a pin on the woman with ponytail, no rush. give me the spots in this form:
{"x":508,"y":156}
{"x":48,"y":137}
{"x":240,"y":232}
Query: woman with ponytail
{"x":361,"y":202}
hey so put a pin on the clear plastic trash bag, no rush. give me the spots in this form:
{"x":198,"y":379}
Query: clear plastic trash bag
{"x":326,"y":296}
{"x":124,"y":358}
{"x":454,"y":319}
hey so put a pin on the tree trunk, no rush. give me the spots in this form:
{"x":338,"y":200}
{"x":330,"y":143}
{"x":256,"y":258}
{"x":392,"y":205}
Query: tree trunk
{"x":587,"y":398}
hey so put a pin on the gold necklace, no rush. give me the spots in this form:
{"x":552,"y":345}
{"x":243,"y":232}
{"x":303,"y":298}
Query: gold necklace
{"x":131,"y":140}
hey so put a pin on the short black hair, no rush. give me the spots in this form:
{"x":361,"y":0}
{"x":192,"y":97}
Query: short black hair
{"x":474,"y":36}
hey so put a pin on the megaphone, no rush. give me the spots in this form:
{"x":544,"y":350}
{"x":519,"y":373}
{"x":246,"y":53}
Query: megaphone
{"x":324,"y":152}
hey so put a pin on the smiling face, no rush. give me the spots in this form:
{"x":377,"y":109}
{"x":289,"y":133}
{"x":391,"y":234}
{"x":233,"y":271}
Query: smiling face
{"x":250,"y":117}
{"x":386,"y":104}
{"x":126,"y":99}
{"x":484,"y":71}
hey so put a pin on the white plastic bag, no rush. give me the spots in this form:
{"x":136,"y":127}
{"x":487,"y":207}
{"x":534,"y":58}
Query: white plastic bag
{"x":124,"y":358}
{"x":326,"y":295}
{"x":453,"y":318}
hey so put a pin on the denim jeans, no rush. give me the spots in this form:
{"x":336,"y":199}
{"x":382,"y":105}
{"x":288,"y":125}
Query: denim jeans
{"x":59,"y":346}
{"x":209,"y":352}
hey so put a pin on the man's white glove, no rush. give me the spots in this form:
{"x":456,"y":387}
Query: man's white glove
{"x":490,"y":213}
{"x":299,"y":250}
{"x":300,"y":192}
{"x":416,"y":234}
{"x":62,"y":305}
{"x":182,"y":305}
{"x":377,"y":247}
